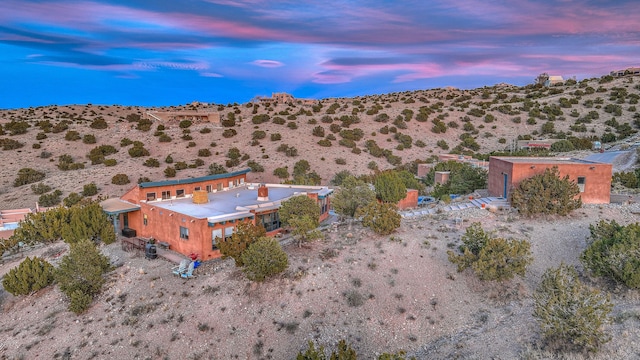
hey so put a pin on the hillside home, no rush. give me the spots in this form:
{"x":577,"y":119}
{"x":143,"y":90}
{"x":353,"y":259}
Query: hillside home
{"x":593,"y":178}
{"x":189,"y":214}
{"x":553,"y":80}
{"x":192,"y":115}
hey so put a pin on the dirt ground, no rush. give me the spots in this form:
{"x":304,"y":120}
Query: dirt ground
{"x":380,"y":293}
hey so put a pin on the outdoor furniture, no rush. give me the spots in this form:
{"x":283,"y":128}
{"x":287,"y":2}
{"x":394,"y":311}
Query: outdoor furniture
{"x":163,"y":244}
{"x":182,"y":268}
{"x":189,"y":273}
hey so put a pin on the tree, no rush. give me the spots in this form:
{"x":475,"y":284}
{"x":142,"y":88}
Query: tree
{"x":389,"y":187}
{"x":352,"y":195}
{"x":80,"y":274}
{"x":547,"y":194}
{"x":571,"y":314}
{"x":263,"y":259}
{"x":28,"y":277}
{"x":302,"y":214}
{"x":612,"y":252}
{"x":88,"y":221}
{"x":344,"y":352}
{"x":340,"y":176}
{"x":463,"y":178}
{"x":89,"y":189}
{"x":72,"y":199}
{"x":382,"y":218}
{"x":120,"y":179}
{"x":245,"y":235}
{"x":45,"y":226}
{"x":28,"y":176}
{"x":215,"y":169}
{"x":491,"y":258}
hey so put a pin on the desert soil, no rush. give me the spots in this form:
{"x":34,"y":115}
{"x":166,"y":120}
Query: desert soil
{"x":380,"y":293}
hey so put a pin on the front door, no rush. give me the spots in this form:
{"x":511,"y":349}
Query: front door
{"x":125,"y":220}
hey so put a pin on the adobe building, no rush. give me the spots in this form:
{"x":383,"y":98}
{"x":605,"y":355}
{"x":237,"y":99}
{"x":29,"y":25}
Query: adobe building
{"x":10,"y":219}
{"x":593,"y":178}
{"x":410,"y":201}
{"x":189,"y":214}
{"x":192,"y":115}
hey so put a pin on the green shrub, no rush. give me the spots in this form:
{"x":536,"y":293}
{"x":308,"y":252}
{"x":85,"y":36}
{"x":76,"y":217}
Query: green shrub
{"x":98,"y":154}
{"x":120,"y":179}
{"x":258,"y":134}
{"x":40,"y":188}
{"x":125,"y":142}
{"x":138,"y":151}
{"x":344,"y":352}
{"x":382,"y":218}
{"x":99,"y":123}
{"x":254,"y":166}
{"x":324,"y":143}
{"x":562,"y":146}
{"x":65,"y":163}
{"x":89,"y":189}
{"x":181,"y":165}
{"x":89,"y":139}
{"x":341,"y":161}
{"x":281,"y":172}
{"x":16,"y":127}
{"x":263,"y":259}
{"x":275,"y":137}
{"x":245,"y":235}
{"x":81,"y":274}
{"x":185,"y":124}
{"x":72,"y":135}
{"x":40,"y":136}
{"x":612,"y":252}
{"x":144,"y":125}
{"x":170,"y":172}
{"x":10,"y":144}
{"x":546,"y":194}
{"x":164,"y":138}
{"x":569,"y":313}
{"x":205,"y":130}
{"x":151,"y":162}
{"x":72,"y":199}
{"x":204,"y":152}
{"x":168,"y":159}
{"x":259,"y":119}
{"x":28,"y":176}
{"x":215,"y":169}
{"x":51,"y":199}
{"x":28,"y":277}
{"x":227,"y":133}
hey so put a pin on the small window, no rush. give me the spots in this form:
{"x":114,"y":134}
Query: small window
{"x":219,"y":187}
{"x":151,"y":196}
{"x":145,"y":220}
{"x":180,"y":193}
{"x":197,"y":188}
{"x":241,"y":180}
{"x":215,"y":235}
{"x":166,"y":195}
{"x":581,"y":182}
{"x":184,"y":233}
{"x":230,"y":184}
{"x":228,"y":232}
{"x":209,"y":188}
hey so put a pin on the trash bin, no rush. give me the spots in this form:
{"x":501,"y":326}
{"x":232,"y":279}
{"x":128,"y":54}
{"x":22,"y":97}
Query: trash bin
{"x":150,"y":251}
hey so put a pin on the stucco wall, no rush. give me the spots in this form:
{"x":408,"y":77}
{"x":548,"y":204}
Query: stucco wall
{"x":410,"y":201}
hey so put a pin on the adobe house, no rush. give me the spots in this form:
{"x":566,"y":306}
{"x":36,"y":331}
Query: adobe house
{"x":593,"y":178}
{"x":193,"y":115}
{"x":189,"y":214}
{"x":410,"y":201}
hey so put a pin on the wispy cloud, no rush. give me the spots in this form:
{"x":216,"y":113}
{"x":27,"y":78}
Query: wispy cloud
{"x":267,"y":63}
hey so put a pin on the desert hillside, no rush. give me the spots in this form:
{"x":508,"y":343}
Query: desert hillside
{"x":355,"y":134}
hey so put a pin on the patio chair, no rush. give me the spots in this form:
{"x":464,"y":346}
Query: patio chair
{"x":189,"y":273}
{"x":179,"y":270}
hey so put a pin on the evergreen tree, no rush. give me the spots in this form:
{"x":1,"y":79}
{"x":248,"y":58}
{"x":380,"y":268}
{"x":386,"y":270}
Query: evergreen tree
{"x":546,"y":194}
{"x":389,"y":187}
{"x":263,"y":259}
{"x":382,"y":218}
{"x":302,"y":214}
{"x":245,"y":235}
{"x":88,"y":221}
{"x":353,"y":194}
{"x":30,"y":276}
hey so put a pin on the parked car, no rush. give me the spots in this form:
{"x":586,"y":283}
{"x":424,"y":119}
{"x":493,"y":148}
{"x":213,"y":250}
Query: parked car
{"x":426,"y":200}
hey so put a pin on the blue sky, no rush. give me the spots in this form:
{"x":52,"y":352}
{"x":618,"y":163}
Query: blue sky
{"x":221,"y":51}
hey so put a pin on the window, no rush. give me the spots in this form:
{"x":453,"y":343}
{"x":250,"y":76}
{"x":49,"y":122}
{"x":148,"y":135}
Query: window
{"x":235,"y":182}
{"x":219,"y":186}
{"x":209,"y":188}
{"x":184,"y":233}
{"x":241,"y":180}
{"x":145,"y":220}
{"x":166,"y":195}
{"x":228,"y":232}
{"x":197,"y":188}
{"x":151,"y":196}
{"x":323,"y":205}
{"x":270,"y":221}
{"x":230,"y":184}
{"x":215,"y":234}
{"x":180,"y":193}
{"x":581,"y":181}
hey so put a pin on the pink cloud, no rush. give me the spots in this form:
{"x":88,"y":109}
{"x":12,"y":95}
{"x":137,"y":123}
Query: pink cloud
{"x":267,"y":63}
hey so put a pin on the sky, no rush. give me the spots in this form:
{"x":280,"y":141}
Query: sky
{"x":173,"y":52}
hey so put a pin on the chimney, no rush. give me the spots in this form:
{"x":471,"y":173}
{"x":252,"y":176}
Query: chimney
{"x":200,"y":197}
{"x":263,"y":193}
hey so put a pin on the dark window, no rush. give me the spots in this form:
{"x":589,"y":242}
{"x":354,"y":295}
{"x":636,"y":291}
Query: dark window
{"x":180,"y":193}
{"x":209,"y":188}
{"x":219,"y":186}
{"x":197,"y":188}
{"x":166,"y":195}
{"x":184,"y":233}
{"x":581,"y":181}
{"x":151,"y":196}
{"x":145,"y":220}
{"x":216,"y":234}
{"x":270,"y":221}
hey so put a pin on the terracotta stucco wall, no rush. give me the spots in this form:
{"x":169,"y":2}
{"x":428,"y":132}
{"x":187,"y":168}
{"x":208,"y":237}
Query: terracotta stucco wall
{"x":497,"y":169}
{"x":189,"y":188}
{"x":410,"y":201}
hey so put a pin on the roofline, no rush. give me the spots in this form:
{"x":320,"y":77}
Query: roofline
{"x":556,"y":159}
{"x":151,"y":184}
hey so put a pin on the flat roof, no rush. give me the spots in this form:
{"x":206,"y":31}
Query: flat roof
{"x":146,"y":185}
{"x":114,"y":206}
{"x":236,"y":203}
{"x":543,"y":160}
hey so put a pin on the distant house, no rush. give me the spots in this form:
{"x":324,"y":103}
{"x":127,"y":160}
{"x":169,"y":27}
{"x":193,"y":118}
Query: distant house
{"x":282,"y":98}
{"x":535,"y":144}
{"x":9,"y":219}
{"x":625,"y":72}
{"x":189,"y":214}
{"x":553,"y":80}
{"x":192,"y":115}
{"x":593,"y":178}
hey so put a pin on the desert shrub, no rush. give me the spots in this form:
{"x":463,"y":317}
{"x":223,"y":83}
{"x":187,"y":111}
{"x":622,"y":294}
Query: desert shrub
{"x":133,"y":117}
{"x":324,"y":143}
{"x":215,"y":169}
{"x":99,"y":123}
{"x":40,"y":136}
{"x":612,"y":252}
{"x":341,"y":161}
{"x":36,"y":146}
{"x":72,"y":135}
{"x":89,"y":189}
{"x":51,"y":199}
{"x":275,"y":137}
{"x":170,"y":171}
{"x":164,"y":138}
{"x":40,"y":188}
{"x":255,"y":166}
{"x":491,"y":258}
{"x":205,"y":130}
{"x":278,"y":120}
{"x":72,"y":199}
{"x":138,"y":151}
{"x":98,"y":154}
{"x":185,"y":124}
{"x":28,"y":277}
{"x":442,"y":144}
{"x":234,"y":246}
{"x":352,"y":194}
{"x":89,"y":139}
{"x":259,"y":119}
{"x":562,"y":146}
{"x":168,"y":159}
{"x":227,"y":133}
{"x":28,"y":176}
{"x":389,"y":187}
{"x":546,"y":194}
{"x":81,"y":274}
{"x":570,"y":314}
{"x":125,"y":142}
{"x":382,"y":218}
{"x":65,"y":163}
{"x":343,"y":352}
{"x":151,"y":162}
{"x":204,"y":152}
{"x":60,"y":127}
{"x":110,"y":162}
{"x":10,"y":144}
{"x":120,"y":179}
{"x":263,"y":259}
{"x":16,"y":127}
{"x":281,"y":172}
{"x":181,"y":165}
{"x":144,"y":125}
{"x":258,"y":134}
{"x":318,"y":131}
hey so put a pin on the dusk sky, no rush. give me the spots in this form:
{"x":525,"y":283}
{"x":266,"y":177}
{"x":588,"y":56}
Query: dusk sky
{"x":221,"y":51}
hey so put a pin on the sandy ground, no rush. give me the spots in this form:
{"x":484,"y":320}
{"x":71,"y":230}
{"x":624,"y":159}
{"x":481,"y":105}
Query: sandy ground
{"x":381,"y":294}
